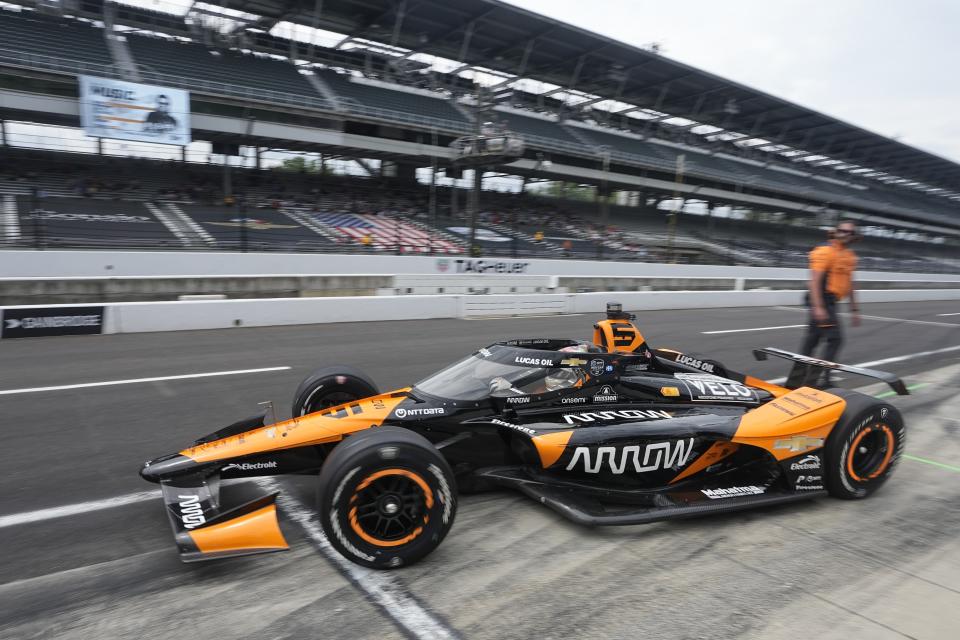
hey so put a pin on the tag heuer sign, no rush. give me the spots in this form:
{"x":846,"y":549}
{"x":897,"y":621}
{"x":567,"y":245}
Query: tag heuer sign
{"x":51,"y":321}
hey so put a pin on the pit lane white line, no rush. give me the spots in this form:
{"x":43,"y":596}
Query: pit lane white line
{"x":76,"y":509}
{"x":882,"y":318}
{"x":185,"y":376}
{"x":783,"y":326}
{"x":383,"y":588}
{"x":875,"y":363}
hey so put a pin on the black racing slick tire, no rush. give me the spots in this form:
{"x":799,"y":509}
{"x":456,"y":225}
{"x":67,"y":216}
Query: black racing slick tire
{"x":387,"y":498}
{"x":864,"y":447}
{"x":330,"y":386}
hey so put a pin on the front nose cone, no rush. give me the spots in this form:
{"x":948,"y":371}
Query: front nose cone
{"x":166,"y":467}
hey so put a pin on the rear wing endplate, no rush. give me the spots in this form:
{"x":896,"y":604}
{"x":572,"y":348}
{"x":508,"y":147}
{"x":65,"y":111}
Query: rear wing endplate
{"x":806,"y":370}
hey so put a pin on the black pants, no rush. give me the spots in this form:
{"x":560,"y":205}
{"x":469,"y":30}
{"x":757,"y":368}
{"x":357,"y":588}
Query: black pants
{"x":829,"y":331}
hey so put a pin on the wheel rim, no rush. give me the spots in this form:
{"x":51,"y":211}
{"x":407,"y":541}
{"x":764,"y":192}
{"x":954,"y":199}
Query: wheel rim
{"x":389,"y":508}
{"x":328,"y":400}
{"x":870,"y":452}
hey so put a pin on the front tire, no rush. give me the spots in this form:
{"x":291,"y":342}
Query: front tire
{"x":863,"y":448}
{"x":387,"y":497}
{"x":329,"y":387}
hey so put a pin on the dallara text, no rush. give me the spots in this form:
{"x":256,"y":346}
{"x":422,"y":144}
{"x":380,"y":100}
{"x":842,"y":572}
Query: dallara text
{"x":610,"y":432}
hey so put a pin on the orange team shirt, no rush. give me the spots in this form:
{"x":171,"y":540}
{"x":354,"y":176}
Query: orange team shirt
{"x":839,"y":264}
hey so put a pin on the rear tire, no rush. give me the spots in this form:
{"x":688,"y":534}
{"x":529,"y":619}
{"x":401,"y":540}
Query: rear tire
{"x":864,"y":447}
{"x":387,"y":498}
{"x":329,"y":387}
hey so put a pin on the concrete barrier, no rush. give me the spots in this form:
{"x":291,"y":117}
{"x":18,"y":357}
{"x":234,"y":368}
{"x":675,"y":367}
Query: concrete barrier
{"x":137,"y":317}
{"x":25,"y":264}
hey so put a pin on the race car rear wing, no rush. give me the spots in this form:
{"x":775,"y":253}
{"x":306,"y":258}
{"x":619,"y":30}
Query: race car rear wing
{"x":807,"y":371}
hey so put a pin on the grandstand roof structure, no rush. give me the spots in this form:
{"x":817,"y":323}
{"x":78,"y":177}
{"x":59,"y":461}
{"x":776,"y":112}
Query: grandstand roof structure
{"x":495,"y":35}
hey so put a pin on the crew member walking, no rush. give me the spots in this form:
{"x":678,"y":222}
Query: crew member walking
{"x":831,"y":280}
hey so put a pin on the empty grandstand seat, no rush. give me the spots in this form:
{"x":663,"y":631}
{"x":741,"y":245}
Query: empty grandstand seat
{"x":359,"y":94}
{"x":193,"y":61}
{"x":34,"y":33}
{"x":532,"y":126}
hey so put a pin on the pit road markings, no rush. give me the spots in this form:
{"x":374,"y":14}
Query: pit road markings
{"x":108,"y":383}
{"x":880,"y":318}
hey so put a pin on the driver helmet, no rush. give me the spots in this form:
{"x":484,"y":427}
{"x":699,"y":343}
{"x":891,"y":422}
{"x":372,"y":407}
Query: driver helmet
{"x":582,"y":347}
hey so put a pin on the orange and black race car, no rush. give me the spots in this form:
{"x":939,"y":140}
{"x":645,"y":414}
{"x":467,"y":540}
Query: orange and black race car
{"x":610,"y":432}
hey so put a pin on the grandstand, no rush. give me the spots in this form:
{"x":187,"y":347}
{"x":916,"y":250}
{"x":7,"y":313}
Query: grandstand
{"x":392,"y":90}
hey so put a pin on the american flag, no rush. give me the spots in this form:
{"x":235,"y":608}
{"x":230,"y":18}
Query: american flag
{"x":386,"y":232}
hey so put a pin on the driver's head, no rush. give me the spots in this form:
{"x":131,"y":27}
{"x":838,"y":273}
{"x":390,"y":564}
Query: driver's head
{"x":560,"y":379}
{"x":576,"y":348}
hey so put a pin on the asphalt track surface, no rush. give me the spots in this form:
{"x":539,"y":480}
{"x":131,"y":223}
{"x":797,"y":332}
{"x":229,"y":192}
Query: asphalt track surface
{"x":886,"y":567}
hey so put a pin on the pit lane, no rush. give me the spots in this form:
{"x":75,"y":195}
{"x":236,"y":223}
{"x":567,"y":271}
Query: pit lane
{"x":884,"y":567}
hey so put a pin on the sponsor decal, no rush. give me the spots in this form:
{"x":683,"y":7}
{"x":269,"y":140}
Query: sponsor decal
{"x":431,"y":411}
{"x":809,"y":397}
{"x":660,"y":455}
{"x":779,"y":407}
{"x":711,"y":387}
{"x":695,"y":363}
{"x":798,"y":443}
{"x":443,"y":265}
{"x":670,"y":392}
{"x":44,"y":214}
{"x":191,"y":511}
{"x":378,"y":404}
{"x":533,"y":362}
{"x":634,"y":414}
{"x":573,"y":362}
{"x":481,"y":234}
{"x":579,"y":400}
{"x":515,"y":427}
{"x":606,"y":394}
{"x":809,"y":479}
{"x":807,"y":463}
{"x":732,"y":492}
{"x":596,"y":367}
{"x":490,"y":266}
{"x":483,"y":351}
{"x":518,"y":400}
{"x":817,"y":362}
{"x":883,"y":413}
{"x":250,"y":466}
{"x":253,"y":223}
{"x":609,"y":368}
{"x":51,"y":321}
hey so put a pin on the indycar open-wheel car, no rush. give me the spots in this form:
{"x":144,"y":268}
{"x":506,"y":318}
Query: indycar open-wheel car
{"x":605,"y":432}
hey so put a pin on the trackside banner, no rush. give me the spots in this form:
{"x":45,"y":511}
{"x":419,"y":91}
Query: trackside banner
{"x":51,"y":321}
{"x":131,"y":111}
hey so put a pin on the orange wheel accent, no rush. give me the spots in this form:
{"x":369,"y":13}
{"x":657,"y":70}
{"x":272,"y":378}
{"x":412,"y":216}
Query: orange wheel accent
{"x":886,"y":458}
{"x":352,"y":514}
{"x":399,"y":472}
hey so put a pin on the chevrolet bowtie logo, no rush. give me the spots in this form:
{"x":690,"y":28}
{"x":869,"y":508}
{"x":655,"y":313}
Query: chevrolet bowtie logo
{"x":798,"y":443}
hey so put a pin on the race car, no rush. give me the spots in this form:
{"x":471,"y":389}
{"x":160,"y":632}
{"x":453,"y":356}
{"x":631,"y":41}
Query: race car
{"x":607,"y":432}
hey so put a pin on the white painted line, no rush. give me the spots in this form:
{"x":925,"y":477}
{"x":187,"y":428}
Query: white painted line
{"x":883,"y":318}
{"x":108,"y":383}
{"x":76,"y":509}
{"x":875,"y":363}
{"x":784,"y":326}
{"x":522,"y":316}
{"x":381,"y":587}
{"x":948,"y":314}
